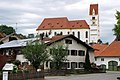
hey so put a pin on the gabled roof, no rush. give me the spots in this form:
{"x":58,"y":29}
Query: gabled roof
{"x":98,"y":48}
{"x":113,"y":50}
{"x":95,"y":7}
{"x":62,"y":23}
{"x":54,"y":39}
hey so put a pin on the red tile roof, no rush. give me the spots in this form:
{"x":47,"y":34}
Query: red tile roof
{"x":62,"y":23}
{"x":98,"y":48}
{"x":113,"y":50}
{"x":95,"y":7}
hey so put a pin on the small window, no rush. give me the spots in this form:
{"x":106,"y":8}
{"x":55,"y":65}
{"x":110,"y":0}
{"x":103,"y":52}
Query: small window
{"x":61,"y":33}
{"x":81,"y":65}
{"x":68,"y":52}
{"x":67,"y":41}
{"x":47,"y":64}
{"x":81,"y":53}
{"x":68,"y":32}
{"x":74,"y":52}
{"x":73,"y":33}
{"x":86,"y":34}
{"x":119,"y":59}
{"x":95,"y":59}
{"x":102,"y":59}
{"x":93,"y":18}
{"x":93,"y":22}
{"x":55,"y":33}
{"x":86,"y":41}
{"x":78,"y":35}
{"x":73,"y":65}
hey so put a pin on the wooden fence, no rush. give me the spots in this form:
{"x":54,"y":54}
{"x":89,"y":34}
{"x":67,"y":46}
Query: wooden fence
{"x":25,"y":75}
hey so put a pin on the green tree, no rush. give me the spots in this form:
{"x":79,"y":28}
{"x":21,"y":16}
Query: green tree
{"x":87,"y":65}
{"x":6,"y":29}
{"x":36,"y":53}
{"x":116,"y":29}
{"x":59,"y":55}
{"x":16,"y":62}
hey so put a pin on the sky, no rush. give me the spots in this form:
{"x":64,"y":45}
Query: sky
{"x":28,"y":14}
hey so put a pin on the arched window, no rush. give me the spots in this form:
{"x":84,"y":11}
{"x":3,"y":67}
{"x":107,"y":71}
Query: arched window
{"x":55,"y":33}
{"x":61,"y":33}
{"x":68,"y":32}
{"x":78,"y":35}
{"x":86,"y":34}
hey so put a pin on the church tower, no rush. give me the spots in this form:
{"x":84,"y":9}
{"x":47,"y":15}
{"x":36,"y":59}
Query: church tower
{"x":94,"y":23}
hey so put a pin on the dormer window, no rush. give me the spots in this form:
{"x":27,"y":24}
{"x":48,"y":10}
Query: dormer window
{"x":68,"y":41}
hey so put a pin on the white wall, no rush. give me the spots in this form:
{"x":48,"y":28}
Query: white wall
{"x":106,"y":60}
{"x":65,"y":32}
{"x":75,"y":46}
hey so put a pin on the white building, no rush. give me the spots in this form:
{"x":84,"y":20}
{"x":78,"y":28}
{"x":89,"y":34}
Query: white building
{"x":94,"y":23}
{"x":79,"y":28}
{"x":76,"y":48}
{"x":108,"y":56}
{"x":62,"y":26}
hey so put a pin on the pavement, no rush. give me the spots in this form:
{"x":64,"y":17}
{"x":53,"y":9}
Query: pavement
{"x":96,"y":76}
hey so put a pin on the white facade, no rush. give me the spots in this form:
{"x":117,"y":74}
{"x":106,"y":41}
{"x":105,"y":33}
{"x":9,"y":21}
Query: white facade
{"x":82,"y":34}
{"x":72,"y":59}
{"x":94,"y":27}
{"x":105,"y":61}
{"x":76,"y":59}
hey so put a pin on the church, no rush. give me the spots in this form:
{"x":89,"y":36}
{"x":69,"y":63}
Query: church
{"x":87,"y":32}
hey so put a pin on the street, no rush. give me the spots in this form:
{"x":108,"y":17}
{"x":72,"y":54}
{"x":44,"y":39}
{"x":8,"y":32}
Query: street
{"x":96,"y":76}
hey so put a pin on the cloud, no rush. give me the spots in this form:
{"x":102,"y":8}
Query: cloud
{"x":28,"y":14}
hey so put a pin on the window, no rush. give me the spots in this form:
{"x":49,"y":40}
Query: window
{"x":93,"y":22}
{"x":86,"y":34}
{"x":102,"y":59}
{"x":95,"y":59}
{"x":61,"y":33}
{"x":47,"y":64}
{"x":78,"y":35}
{"x":68,"y":41}
{"x":67,"y":64}
{"x":68,"y":32}
{"x":86,"y":41}
{"x":55,"y":33}
{"x":74,"y":52}
{"x":68,"y":51}
{"x":81,"y":65}
{"x":81,"y":53}
{"x":93,"y":18}
{"x":73,"y":65}
{"x":119,"y":59}
{"x":73,"y":33}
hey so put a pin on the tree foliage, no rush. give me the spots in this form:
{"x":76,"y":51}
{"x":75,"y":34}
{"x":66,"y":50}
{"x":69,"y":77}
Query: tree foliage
{"x":87,"y":65}
{"x":59,"y":55}
{"x":16,"y":62}
{"x":6,"y":29}
{"x":36,"y":53}
{"x":116,"y":29}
